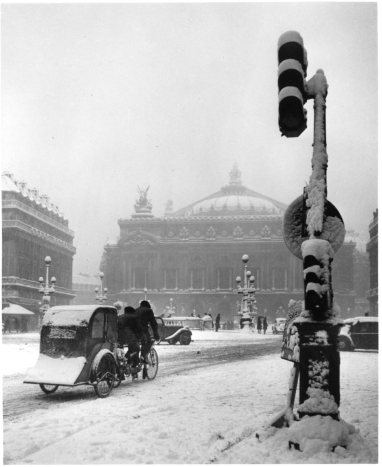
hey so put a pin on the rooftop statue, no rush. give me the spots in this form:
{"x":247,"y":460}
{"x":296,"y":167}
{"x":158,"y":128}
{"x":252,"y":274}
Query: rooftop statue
{"x":143,"y":204}
{"x":235,"y":176}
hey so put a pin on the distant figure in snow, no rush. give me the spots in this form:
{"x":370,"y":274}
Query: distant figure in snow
{"x":265,"y":324}
{"x":212,"y":320}
{"x":118,"y":306}
{"x":259,"y":325}
{"x":217,"y":323}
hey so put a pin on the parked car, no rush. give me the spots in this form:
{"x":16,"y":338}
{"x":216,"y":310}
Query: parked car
{"x":173,"y":331}
{"x":278,"y":326}
{"x":359,"y":333}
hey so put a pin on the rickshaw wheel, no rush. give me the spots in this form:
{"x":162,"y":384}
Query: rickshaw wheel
{"x":49,"y":388}
{"x":104,"y":374}
{"x":151,"y":368}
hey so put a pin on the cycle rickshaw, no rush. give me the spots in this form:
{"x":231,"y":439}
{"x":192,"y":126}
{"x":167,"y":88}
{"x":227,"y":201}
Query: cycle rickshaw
{"x":78,"y":346}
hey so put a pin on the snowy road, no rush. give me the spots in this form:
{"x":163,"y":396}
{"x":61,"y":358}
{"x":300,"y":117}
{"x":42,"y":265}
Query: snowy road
{"x":20,"y":399}
{"x":205,"y":406}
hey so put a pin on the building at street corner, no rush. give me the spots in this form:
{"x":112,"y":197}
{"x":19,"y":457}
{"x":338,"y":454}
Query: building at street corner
{"x":32,"y":229}
{"x":189,"y":259}
{"x":372,"y":249}
{"x":84,"y":286}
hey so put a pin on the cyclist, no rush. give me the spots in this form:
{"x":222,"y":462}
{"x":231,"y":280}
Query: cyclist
{"x":146,"y":318}
{"x":129,"y":333}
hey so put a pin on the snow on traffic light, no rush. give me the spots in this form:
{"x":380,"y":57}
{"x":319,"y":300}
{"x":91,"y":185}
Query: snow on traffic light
{"x":317,"y":257}
{"x":293,"y":63}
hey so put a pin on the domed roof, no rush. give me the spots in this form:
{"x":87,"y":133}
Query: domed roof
{"x":233,"y":200}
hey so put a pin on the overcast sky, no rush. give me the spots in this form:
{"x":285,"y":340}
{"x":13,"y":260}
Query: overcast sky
{"x":98,"y":99}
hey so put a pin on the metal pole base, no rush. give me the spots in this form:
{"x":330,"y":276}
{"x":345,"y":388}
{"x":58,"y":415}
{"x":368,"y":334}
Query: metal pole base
{"x":319,"y":368}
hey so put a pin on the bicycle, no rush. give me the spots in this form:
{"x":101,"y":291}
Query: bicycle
{"x":147,"y":365}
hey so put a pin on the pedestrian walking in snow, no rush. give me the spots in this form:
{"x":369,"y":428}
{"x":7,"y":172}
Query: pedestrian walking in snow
{"x":265,"y":324}
{"x":259,"y":325}
{"x":217,"y":322}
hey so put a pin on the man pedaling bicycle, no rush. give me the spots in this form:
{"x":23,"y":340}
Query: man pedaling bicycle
{"x":146,"y":319}
{"x":133,"y":327}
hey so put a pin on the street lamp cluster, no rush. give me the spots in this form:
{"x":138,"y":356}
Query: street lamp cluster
{"x":246,"y":287}
{"x":101,"y":292}
{"x":171,"y":310}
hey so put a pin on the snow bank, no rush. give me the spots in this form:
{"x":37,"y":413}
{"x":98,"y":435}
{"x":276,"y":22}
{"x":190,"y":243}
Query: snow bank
{"x":320,"y":434}
{"x":18,"y":358}
{"x":226,"y":335}
{"x":319,"y":401}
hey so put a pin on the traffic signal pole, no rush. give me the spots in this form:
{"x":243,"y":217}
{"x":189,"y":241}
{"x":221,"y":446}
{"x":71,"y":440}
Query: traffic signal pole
{"x":319,"y":361}
{"x":318,"y":331}
{"x":317,"y":87}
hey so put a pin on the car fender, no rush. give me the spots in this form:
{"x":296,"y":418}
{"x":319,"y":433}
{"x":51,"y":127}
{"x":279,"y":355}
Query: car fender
{"x":177,"y":334}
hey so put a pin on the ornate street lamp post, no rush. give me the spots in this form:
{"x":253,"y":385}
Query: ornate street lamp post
{"x":46,"y":289}
{"x":101,"y":293}
{"x":248,"y":302}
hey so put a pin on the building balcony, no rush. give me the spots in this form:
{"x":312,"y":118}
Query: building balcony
{"x":19,"y":225}
{"x":16,"y":204}
{"x":18,"y":282}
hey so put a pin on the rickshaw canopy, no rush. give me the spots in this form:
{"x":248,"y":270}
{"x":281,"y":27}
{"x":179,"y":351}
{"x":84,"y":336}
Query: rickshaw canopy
{"x":73,"y":315}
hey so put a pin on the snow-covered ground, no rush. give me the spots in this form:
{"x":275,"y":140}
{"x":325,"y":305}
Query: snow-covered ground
{"x":206,"y":415}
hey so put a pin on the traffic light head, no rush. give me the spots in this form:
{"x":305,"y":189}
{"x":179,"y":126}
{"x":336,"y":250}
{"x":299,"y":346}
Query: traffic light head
{"x":291,"y":46}
{"x":292,"y":115}
{"x":291,"y":83}
{"x":317,"y":256}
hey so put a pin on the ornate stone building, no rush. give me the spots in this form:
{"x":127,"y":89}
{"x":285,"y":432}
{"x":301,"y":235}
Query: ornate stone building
{"x":32,"y":229}
{"x":372,"y":249}
{"x":190,"y":258}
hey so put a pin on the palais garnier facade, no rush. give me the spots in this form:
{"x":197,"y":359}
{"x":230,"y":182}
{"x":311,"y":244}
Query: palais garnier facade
{"x":189,"y":259}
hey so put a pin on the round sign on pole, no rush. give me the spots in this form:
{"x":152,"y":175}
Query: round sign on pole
{"x":333,"y":229}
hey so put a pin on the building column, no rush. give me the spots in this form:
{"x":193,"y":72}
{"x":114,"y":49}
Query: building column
{"x":124,"y":273}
